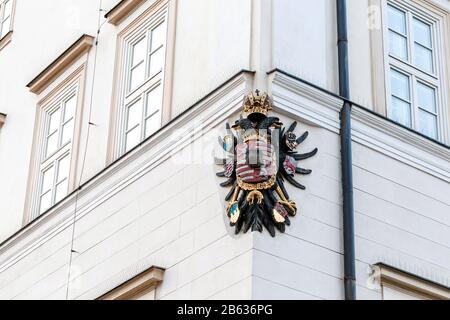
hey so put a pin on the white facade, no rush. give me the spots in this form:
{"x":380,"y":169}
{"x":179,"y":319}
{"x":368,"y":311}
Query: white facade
{"x":161,"y":205}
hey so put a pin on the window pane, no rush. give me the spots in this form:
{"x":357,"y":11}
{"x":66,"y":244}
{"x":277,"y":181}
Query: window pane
{"x":8,"y":9}
{"x":138,"y":52}
{"x":69,"y":111}
{"x":158,"y":36}
{"x":132,"y":138}
{"x":400,"y":85}
{"x":398,"y":45}
{"x":427,"y":124}
{"x":401,"y":111}
{"x":156,"y":61}
{"x":423,"y":58}
{"x":422,"y":33}
{"x":397,"y":20}
{"x":154,"y":101}
{"x":63,"y":168}
{"x":47,"y":180}
{"x":5,"y":27}
{"x":152,"y":124}
{"x":67,"y":132}
{"x":134,"y":114}
{"x":137,"y":76}
{"x":426,"y":97}
{"x":46,"y":202}
{"x":61,"y":190}
{"x":55,"y":119}
{"x":52,"y":144}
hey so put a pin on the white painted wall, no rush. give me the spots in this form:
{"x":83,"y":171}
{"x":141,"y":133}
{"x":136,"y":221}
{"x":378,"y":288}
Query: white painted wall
{"x":212,"y":44}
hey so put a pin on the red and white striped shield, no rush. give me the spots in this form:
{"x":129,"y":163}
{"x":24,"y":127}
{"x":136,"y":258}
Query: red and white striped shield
{"x":256,"y":161}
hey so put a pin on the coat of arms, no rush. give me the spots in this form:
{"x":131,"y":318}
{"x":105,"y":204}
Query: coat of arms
{"x":260,"y":156}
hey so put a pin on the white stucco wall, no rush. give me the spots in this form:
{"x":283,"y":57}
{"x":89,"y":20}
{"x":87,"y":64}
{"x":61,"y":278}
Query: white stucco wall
{"x":212,"y":44}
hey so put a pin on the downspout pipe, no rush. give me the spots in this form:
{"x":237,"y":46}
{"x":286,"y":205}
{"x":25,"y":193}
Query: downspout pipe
{"x":346,"y":154}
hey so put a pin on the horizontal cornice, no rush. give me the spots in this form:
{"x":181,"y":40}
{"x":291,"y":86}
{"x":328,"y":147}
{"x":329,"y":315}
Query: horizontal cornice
{"x":388,"y":275}
{"x":139,"y":283}
{"x":122,"y":10}
{"x":49,"y":74}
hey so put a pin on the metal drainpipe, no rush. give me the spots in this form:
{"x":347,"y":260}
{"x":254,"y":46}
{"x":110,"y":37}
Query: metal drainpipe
{"x":346,"y":154}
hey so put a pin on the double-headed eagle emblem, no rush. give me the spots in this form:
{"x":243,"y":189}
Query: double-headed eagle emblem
{"x":259,"y":158}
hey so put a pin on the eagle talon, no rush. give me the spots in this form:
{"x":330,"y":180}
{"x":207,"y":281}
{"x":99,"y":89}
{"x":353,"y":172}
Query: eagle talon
{"x":291,"y":206}
{"x":255,"y":194}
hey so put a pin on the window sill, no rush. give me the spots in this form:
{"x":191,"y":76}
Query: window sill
{"x":5,"y":40}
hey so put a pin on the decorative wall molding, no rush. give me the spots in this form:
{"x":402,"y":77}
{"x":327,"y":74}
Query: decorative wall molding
{"x":400,"y":143}
{"x":43,"y":80}
{"x":194,"y":122}
{"x":135,"y":287}
{"x":386,"y":275}
{"x":122,"y":10}
{"x":299,"y":99}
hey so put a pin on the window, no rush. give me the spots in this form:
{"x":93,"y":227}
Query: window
{"x":59,"y":89}
{"x":140,"y":79}
{"x":55,"y":144}
{"x":413,"y":74}
{"x":143,"y":98}
{"x":56,"y":155}
{"x":6,"y":13}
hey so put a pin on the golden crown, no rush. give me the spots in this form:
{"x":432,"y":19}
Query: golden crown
{"x":257,"y":104}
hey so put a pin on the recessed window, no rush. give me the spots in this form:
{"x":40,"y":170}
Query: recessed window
{"x":6,"y":9}
{"x":58,"y":120}
{"x":413,"y":73}
{"x":143,"y":81}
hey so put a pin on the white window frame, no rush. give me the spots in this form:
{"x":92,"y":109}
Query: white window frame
{"x":435,"y":79}
{"x":64,"y":148}
{"x":3,"y":17}
{"x":127,"y":96}
{"x":72,"y":86}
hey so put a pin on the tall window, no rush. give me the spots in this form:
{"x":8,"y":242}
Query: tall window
{"x":414,"y":78}
{"x":56,"y":151}
{"x":144,"y":61}
{"x":5,"y":17}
